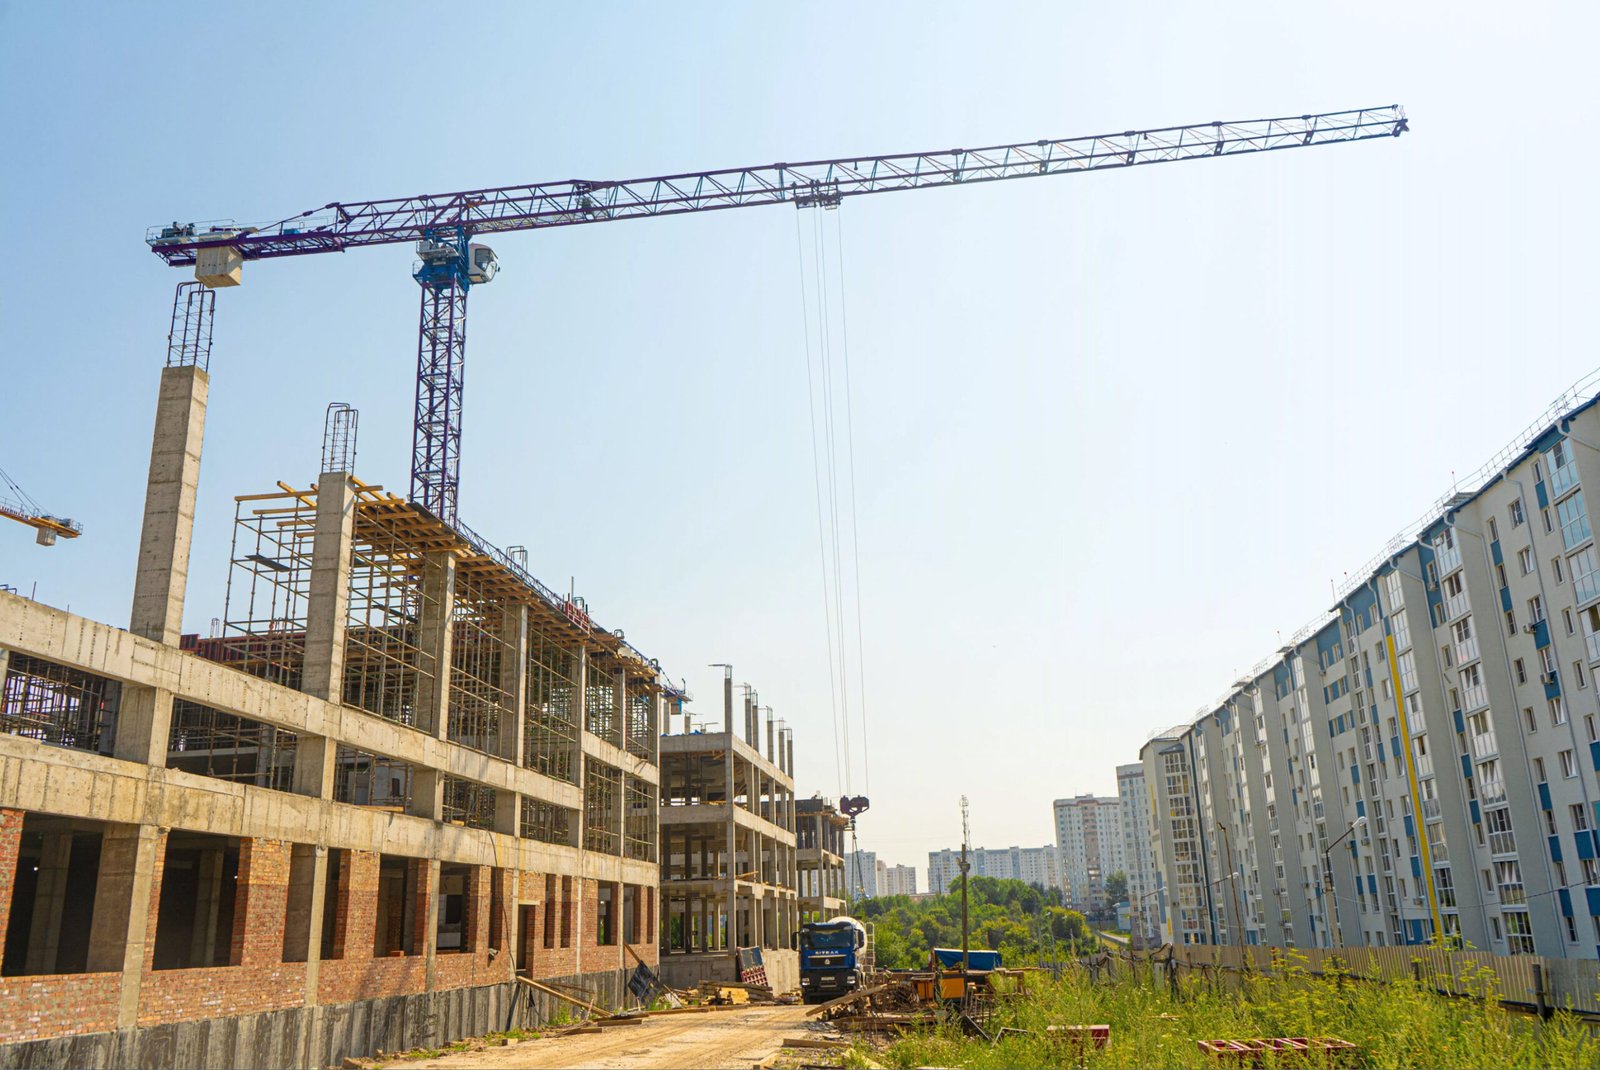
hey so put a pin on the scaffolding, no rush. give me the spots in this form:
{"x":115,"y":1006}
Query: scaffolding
{"x":364,"y":779}
{"x":386,"y":670}
{"x":269,"y":583}
{"x":602,"y":791}
{"x":550,"y":732}
{"x":641,"y":735}
{"x":601,"y":715}
{"x":639,"y":828}
{"x":468,"y":803}
{"x":478,"y":658}
{"x":216,"y":744}
{"x":55,"y":704}
{"x":547,"y":822}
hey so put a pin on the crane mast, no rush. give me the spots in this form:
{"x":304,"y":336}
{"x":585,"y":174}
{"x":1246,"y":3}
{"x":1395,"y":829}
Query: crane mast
{"x":443,"y":225}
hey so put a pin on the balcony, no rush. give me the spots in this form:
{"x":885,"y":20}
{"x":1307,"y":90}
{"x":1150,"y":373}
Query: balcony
{"x":1456,"y":606}
{"x":1467,"y":650}
{"x":1484,"y":746}
{"x":1592,"y":643}
{"x":1474,"y":698}
{"x":1447,"y":559}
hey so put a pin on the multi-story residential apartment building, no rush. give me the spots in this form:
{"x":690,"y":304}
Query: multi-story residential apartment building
{"x":1035,"y":865}
{"x":861,"y":874}
{"x":1138,"y":862}
{"x":898,"y":880}
{"x":1089,"y":848}
{"x":1423,"y":760}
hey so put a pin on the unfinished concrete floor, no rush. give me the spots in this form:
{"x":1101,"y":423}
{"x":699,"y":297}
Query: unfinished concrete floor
{"x":733,"y":1038}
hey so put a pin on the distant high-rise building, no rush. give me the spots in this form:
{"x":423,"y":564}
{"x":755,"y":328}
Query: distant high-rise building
{"x":1090,"y":848}
{"x":899,"y":880}
{"x":861,"y":874}
{"x":1036,"y":865}
{"x":1137,"y":858}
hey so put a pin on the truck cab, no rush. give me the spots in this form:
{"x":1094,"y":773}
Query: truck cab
{"x":830,"y":958}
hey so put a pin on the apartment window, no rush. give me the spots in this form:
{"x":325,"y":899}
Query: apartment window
{"x":1545,"y":515}
{"x":1521,"y":670}
{"x":1519,"y":932}
{"x":1585,"y":581}
{"x":1566,"y":614}
{"x":1550,"y":823}
{"x":1538,"y":768}
{"x":1500,"y":574}
{"x":1494,"y":530}
{"x":1580,"y":817}
{"x":1558,"y":711}
{"x":1511,"y":622}
{"x":1588,"y":726}
{"x":1591,"y":873}
{"x":1535,"y":609}
{"x":1494,"y":927}
{"x":1572,"y":928}
{"x":1547,"y":661}
{"x":1538,"y":472}
{"x":1574,"y":519}
{"x":1525,"y":559}
{"x":1515,"y":512}
{"x":1577,"y":674}
{"x":1569,"y":765}
{"x":1530,"y":720}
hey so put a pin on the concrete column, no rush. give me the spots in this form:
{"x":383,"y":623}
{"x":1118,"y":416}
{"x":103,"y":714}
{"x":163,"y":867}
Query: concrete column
{"x":163,"y":569}
{"x":126,"y":895}
{"x":44,"y":935}
{"x":144,"y":725}
{"x":10,"y":844}
{"x":314,"y":760}
{"x":305,"y":906}
{"x":435,"y":633}
{"x":514,"y":682}
{"x":328,"y":604}
{"x":772,"y":748}
{"x":732,"y":859}
{"x":727,"y":703}
{"x":203,"y":943}
{"x":425,"y":937}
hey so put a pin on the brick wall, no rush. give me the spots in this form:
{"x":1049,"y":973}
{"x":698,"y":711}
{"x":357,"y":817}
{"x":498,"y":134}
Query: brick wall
{"x":39,"y":1007}
{"x":260,"y":981}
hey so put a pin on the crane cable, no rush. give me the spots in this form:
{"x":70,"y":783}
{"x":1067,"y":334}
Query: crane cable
{"x":816,"y":475}
{"x":855,"y":531}
{"x":835,"y":573}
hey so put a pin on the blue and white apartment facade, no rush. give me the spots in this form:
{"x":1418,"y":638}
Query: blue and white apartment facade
{"x":1423,"y":760}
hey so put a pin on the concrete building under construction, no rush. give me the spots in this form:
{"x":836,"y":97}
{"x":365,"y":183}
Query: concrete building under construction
{"x":402,"y":773}
{"x":728,"y":865}
{"x":819,"y":855}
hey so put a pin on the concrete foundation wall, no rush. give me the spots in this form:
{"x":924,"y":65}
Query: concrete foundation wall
{"x":316,"y":1037}
{"x":687,"y":971}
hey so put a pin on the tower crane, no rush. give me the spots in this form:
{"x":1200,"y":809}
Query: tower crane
{"x":16,"y":505}
{"x":450,"y":262}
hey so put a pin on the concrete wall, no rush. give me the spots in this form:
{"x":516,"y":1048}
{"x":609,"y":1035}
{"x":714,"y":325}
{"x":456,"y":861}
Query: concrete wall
{"x":687,"y":971}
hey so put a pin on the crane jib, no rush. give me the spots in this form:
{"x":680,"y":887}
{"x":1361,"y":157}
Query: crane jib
{"x":340,"y":226}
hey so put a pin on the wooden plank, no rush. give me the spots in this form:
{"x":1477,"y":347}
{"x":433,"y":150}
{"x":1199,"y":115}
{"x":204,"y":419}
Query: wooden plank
{"x":844,"y":1001}
{"x":814,"y":1042}
{"x":563,"y":997}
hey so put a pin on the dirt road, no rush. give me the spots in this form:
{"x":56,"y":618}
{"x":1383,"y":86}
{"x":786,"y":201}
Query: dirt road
{"x":734,"y":1038}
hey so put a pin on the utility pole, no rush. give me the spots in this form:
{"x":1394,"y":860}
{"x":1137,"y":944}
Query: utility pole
{"x":1233,"y":891}
{"x":966,"y":840}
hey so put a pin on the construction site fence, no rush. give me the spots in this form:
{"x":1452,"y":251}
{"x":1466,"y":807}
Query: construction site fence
{"x":1530,"y":980}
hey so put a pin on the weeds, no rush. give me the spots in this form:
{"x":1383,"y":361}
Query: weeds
{"x":1402,"y":1024}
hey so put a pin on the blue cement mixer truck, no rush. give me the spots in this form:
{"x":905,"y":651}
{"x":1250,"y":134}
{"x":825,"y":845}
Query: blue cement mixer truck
{"x":831,"y":954}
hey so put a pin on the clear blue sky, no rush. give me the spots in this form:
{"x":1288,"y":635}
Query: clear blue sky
{"x":1114,"y":433}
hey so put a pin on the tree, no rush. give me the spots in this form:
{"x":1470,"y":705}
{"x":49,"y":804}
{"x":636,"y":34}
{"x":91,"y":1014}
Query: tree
{"x":1117,"y":887}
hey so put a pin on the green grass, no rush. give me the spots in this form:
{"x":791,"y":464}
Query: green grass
{"x":1395,"y":1025}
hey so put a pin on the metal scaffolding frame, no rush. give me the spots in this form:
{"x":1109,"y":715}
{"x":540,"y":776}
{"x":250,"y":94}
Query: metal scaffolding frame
{"x":216,"y":744}
{"x":269,"y":584}
{"x":551,"y":742}
{"x":58,"y":705}
{"x":365,"y":779}
{"x":602,"y":714}
{"x":602,"y":794}
{"x":478,"y":654}
{"x":468,"y":803}
{"x":639,"y":826}
{"x":548,"y":822}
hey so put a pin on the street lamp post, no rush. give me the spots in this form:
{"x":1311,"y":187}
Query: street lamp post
{"x":1327,"y":873}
